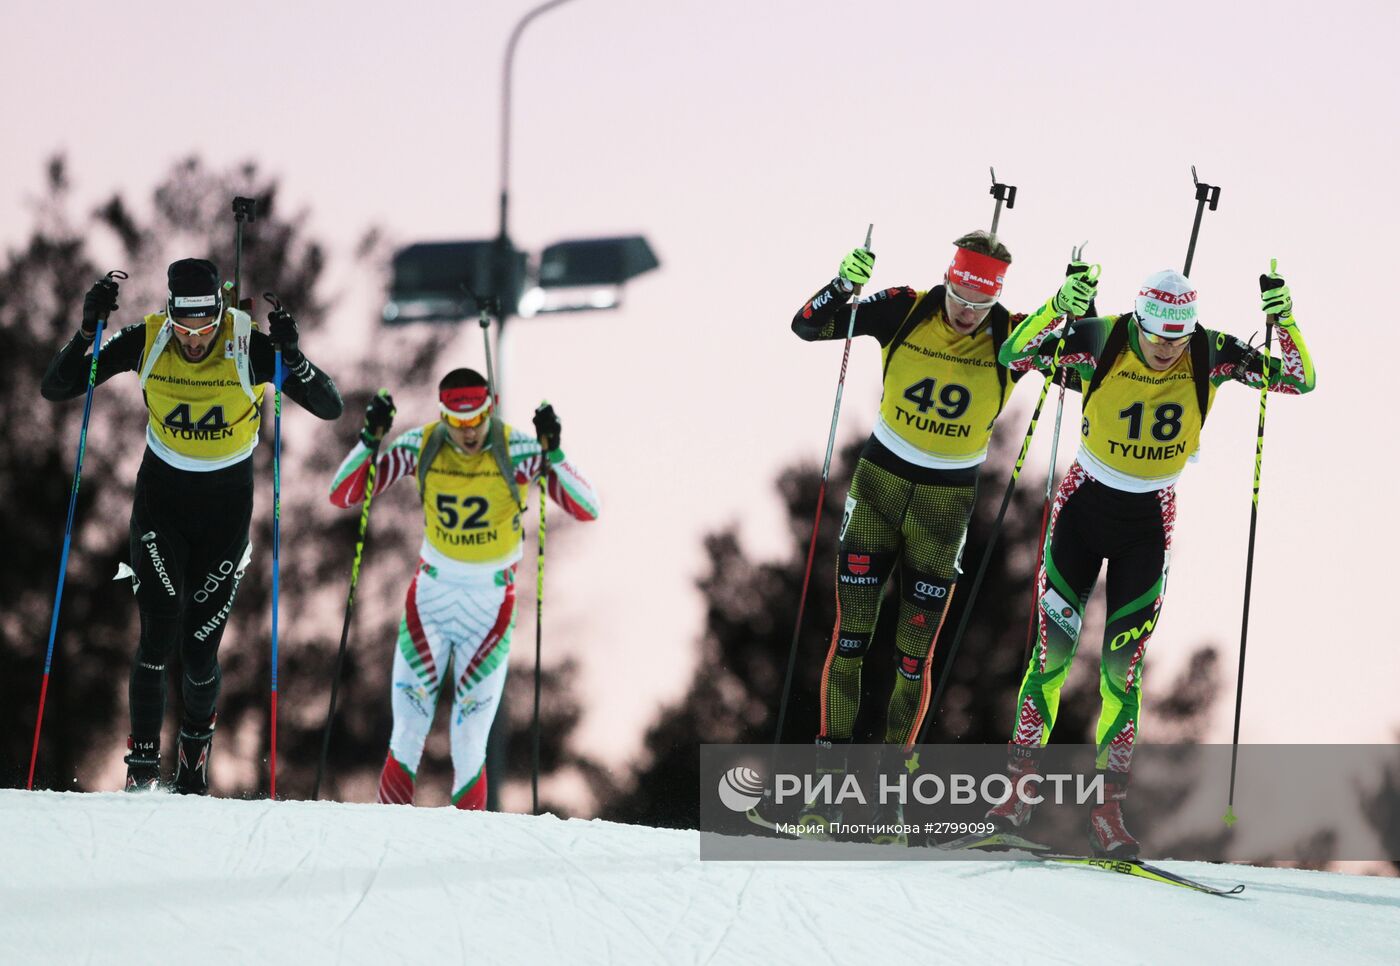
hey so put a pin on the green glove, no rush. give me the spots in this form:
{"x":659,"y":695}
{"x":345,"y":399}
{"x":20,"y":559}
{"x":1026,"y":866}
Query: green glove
{"x":1275,"y":299}
{"x":857,"y":266}
{"x":1080,"y":286}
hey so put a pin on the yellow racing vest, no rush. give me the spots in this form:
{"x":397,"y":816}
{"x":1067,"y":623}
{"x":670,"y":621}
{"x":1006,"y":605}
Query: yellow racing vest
{"x":942,"y":393}
{"x":469,"y":513}
{"x":200,"y":415}
{"x":1141,"y":426}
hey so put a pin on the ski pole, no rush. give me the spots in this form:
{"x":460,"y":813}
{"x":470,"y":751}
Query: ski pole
{"x":821,"y":501}
{"x":1060,"y":375}
{"x":539,"y":641}
{"x":1206,"y":194}
{"x":994,"y":536}
{"x":244,"y":210}
{"x":371,"y":474}
{"x":1265,"y":284}
{"x":68,"y":529}
{"x":276,"y":539}
{"x":1002,"y":193}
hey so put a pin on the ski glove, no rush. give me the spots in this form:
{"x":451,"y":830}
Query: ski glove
{"x":857,"y":266}
{"x":1080,"y":286}
{"x":1274,"y":295}
{"x":282,"y":330}
{"x":547,"y":427}
{"x":99,"y":302}
{"x":379,"y":416}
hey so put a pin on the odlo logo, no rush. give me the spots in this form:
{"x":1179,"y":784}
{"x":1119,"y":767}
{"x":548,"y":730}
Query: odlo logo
{"x":740,"y":788}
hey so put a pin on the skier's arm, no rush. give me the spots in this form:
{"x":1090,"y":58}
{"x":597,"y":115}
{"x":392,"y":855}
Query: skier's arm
{"x":67,"y":374}
{"x":1032,"y":344}
{"x":565,"y":484}
{"x":1290,"y":371}
{"x":827,"y":315}
{"x":309,"y":387}
{"x":396,"y":462}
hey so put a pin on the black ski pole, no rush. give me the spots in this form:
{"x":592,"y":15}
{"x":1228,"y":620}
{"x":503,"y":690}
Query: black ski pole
{"x":1206,"y":194}
{"x":539,"y":641}
{"x":68,"y":527}
{"x":1266,"y":282}
{"x":821,"y":502}
{"x":372,"y":473}
{"x":995,"y":534}
{"x":1002,"y":193}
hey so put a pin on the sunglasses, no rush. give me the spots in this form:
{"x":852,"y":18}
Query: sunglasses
{"x":1156,"y":339}
{"x":460,"y":422}
{"x":196,"y":331}
{"x":964,"y":303}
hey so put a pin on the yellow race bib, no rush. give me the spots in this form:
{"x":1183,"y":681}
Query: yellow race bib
{"x":469,"y":514}
{"x":942,"y":393}
{"x":1142,"y":425}
{"x":198,"y":416}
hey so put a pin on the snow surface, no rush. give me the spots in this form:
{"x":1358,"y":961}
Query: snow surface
{"x":113,"y":878}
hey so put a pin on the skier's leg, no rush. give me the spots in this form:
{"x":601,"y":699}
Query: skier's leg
{"x":869,"y":543}
{"x":159,"y":556}
{"x":419,"y":659}
{"x":1137,"y":578}
{"x":935,"y":528}
{"x":481,"y":653}
{"x":1067,"y":574}
{"x":216,"y":567}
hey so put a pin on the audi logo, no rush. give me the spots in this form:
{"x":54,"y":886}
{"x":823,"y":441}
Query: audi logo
{"x":926,"y":589}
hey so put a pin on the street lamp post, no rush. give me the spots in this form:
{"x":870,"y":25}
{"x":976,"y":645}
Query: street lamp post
{"x":503,"y":264}
{"x":504,"y":256}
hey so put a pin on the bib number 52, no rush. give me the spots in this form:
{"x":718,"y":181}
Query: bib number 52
{"x":470,"y":516}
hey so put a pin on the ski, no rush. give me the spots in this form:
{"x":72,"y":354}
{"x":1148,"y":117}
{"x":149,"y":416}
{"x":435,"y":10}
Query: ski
{"x":1002,"y":841}
{"x":1142,"y":870}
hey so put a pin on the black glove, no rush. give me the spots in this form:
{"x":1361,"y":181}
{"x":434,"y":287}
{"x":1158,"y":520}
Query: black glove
{"x":547,"y":427}
{"x":99,"y":302}
{"x":379,"y":416}
{"x":282,"y":330}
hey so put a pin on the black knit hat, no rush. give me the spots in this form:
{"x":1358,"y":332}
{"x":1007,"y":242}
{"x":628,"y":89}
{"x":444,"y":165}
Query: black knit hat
{"x":194,"y":290}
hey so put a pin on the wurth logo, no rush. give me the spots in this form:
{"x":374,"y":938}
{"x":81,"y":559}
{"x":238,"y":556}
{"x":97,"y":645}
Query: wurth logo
{"x":910,"y":668}
{"x":858,"y":563}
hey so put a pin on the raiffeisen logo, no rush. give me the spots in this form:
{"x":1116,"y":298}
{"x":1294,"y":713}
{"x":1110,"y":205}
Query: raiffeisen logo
{"x":740,"y":788}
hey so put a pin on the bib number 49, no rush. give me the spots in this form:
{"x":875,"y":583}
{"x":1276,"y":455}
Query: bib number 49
{"x":954,"y":398}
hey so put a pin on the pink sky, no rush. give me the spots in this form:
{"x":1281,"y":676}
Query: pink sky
{"x":752,"y":143}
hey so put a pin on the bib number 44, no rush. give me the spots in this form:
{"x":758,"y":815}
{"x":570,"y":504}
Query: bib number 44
{"x":179,"y":418}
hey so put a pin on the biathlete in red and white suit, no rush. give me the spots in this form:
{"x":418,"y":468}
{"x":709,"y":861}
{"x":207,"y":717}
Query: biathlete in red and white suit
{"x":473,"y":473}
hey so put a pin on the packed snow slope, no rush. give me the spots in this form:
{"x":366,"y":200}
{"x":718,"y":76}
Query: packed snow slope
{"x":113,"y":878}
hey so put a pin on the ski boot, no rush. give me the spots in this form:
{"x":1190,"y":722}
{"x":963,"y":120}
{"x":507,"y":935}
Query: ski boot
{"x":890,"y":813}
{"x":142,"y":765}
{"x":1015,"y":813}
{"x":192,"y":765}
{"x":818,"y":817}
{"x":1108,"y":836}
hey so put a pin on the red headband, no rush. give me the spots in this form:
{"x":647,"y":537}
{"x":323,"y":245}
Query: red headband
{"x":976,"y":271}
{"x":467,"y":399}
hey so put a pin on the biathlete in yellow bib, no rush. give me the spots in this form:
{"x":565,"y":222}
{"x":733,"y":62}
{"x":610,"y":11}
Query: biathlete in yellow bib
{"x":1150,"y":378}
{"x":473,"y":473}
{"x":915,"y":484}
{"x":202,"y":366}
